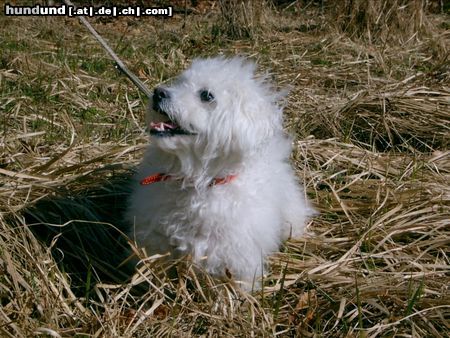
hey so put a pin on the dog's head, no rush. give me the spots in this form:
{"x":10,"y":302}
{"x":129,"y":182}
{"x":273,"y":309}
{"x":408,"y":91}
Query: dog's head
{"x":218,"y":107}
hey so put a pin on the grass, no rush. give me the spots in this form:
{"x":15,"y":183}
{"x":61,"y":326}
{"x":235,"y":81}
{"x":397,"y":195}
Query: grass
{"x":369,"y":118}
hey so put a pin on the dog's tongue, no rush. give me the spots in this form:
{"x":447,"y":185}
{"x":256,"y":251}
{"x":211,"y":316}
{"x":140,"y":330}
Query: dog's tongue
{"x":162,"y":126}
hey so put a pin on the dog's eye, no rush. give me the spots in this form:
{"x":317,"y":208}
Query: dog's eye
{"x":206,"y":96}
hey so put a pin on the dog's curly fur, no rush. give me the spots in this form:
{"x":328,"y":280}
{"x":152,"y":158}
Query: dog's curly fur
{"x":215,"y":120}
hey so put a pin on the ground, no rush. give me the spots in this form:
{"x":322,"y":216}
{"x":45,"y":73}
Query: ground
{"x":369,"y":111}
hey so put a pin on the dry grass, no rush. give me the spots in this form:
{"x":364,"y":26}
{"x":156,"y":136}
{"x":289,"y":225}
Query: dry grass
{"x":382,"y":20}
{"x":241,"y":18}
{"x":371,"y":129}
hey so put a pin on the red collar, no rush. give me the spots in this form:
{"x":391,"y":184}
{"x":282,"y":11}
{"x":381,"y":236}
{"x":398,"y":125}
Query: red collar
{"x":161,"y":177}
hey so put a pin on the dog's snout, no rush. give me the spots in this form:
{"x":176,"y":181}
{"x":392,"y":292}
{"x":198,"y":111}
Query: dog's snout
{"x":159,"y":94}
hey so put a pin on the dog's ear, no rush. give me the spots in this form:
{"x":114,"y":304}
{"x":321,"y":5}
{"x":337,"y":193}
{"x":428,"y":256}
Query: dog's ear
{"x":278,"y":96}
{"x":247,"y":65}
{"x":282,"y":94}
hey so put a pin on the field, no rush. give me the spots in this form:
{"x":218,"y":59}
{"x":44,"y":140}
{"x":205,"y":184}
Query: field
{"x":369,"y":109}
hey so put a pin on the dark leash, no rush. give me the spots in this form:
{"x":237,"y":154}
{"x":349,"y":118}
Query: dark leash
{"x":119,"y":64}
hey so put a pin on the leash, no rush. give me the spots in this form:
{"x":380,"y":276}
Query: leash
{"x":119,"y":64}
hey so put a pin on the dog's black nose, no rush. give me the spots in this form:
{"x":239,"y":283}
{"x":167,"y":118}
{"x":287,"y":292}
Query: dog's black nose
{"x":159,"y":94}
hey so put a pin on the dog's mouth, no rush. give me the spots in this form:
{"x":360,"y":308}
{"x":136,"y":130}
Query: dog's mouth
{"x":165,"y":129}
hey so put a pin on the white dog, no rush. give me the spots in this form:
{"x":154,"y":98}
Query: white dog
{"x":215,"y":183}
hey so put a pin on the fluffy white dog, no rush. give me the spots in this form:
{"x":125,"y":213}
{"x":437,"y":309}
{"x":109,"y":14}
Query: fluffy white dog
{"x":215,"y":183}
